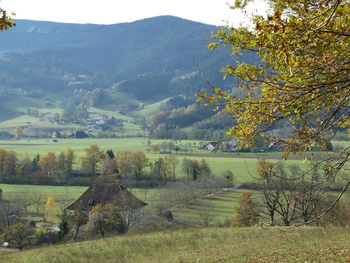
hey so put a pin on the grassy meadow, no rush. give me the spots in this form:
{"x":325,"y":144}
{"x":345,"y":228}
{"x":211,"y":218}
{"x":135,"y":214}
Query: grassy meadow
{"x":234,"y":245}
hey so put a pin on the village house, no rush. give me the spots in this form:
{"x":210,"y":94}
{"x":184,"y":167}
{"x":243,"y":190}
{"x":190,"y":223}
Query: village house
{"x":211,"y":146}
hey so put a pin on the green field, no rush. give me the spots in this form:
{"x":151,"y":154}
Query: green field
{"x":211,"y":245}
{"x":219,"y":206}
{"x":151,"y":109}
{"x":95,"y":112}
{"x":243,"y":165}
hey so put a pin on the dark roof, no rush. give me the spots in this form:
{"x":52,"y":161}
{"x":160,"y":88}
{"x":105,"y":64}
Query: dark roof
{"x":105,"y":193}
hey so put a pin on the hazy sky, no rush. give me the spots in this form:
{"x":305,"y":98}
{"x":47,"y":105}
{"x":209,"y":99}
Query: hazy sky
{"x":116,"y":11}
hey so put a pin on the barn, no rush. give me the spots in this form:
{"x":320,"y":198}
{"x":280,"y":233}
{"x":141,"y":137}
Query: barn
{"x":106,"y":193}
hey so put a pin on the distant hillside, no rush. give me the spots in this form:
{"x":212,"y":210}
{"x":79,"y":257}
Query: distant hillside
{"x":121,"y":67}
{"x":150,"y":58}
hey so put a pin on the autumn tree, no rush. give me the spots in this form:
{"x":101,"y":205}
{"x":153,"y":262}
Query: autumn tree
{"x":65,"y":162}
{"x":18,"y":131}
{"x":124,"y":163}
{"x":106,"y":219}
{"x":303,"y":78}
{"x":24,"y":168}
{"x":69,"y":160}
{"x":158,"y":168}
{"x":165,"y":168}
{"x":48,"y":164}
{"x":61,"y":161}
{"x":246,"y":211}
{"x":50,"y":208}
{"x":6,"y":21}
{"x":10,"y":164}
{"x":173,"y":162}
{"x":2,"y":160}
{"x":191,"y":168}
{"x":339,"y":215}
{"x":109,"y":167}
{"x":139,"y":163}
{"x":92,"y":159}
{"x":195,"y":169}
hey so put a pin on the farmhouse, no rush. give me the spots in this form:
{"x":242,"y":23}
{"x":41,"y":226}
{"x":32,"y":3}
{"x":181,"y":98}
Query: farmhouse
{"x":80,"y":134}
{"x":211,"y":146}
{"x":106,"y":193}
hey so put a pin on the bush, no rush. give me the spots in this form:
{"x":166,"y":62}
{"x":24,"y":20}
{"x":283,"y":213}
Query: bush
{"x":19,"y":235}
{"x":246,"y":211}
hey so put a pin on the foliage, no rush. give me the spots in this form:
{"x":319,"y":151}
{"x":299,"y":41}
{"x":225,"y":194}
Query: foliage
{"x":48,"y":164}
{"x":165,"y":168}
{"x":75,"y":221}
{"x":92,"y":159}
{"x":50,"y":208}
{"x":19,"y":235}
{"x":339,"y":215}
{"x":303,"y":76}
{"x":6,"y":21}
{"x":194,"y":169}
{"x":106,"y":219}
{"x":246,"y":212}
{"x":63,"y":228}
{"x":18,"y":131}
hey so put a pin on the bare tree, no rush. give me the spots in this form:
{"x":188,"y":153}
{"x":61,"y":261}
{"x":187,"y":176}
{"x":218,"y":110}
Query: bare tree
{"x":206,"y":218}
{"x":292,"y":194}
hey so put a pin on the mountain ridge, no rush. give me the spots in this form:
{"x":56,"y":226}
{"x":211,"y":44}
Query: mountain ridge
{"x":90,"y":65}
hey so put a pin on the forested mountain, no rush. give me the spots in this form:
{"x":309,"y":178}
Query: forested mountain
{"x":158,"y":56}
{"x":130,"y":63}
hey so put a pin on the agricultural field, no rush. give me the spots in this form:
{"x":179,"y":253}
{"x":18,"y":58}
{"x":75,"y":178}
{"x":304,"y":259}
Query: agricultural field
{"x":260,"y":245}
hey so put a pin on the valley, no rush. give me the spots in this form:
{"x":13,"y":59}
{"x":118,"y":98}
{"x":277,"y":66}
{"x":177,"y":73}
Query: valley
{"x":135,"y":142}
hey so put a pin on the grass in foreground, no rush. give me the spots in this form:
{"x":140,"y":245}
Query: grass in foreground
{"x":202,"y":245}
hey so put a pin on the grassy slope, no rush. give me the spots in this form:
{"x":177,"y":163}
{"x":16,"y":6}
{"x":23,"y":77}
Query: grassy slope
{"x":202,"y":245}
{"x":151,"y":109}
{"x":95,"y":112}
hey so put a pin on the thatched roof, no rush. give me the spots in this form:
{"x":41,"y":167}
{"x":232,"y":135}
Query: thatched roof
{"x":106,"y":193}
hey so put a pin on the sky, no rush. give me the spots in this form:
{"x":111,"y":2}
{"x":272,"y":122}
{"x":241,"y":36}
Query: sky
{"x":214,"y":12}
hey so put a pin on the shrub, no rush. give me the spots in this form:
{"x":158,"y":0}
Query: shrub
{"x":246,"y":211}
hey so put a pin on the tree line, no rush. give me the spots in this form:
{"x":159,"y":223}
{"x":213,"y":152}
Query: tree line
{"x":96,"y":165}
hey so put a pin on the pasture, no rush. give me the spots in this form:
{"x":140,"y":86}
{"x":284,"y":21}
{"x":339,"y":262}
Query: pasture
{"x":207,"y":245}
